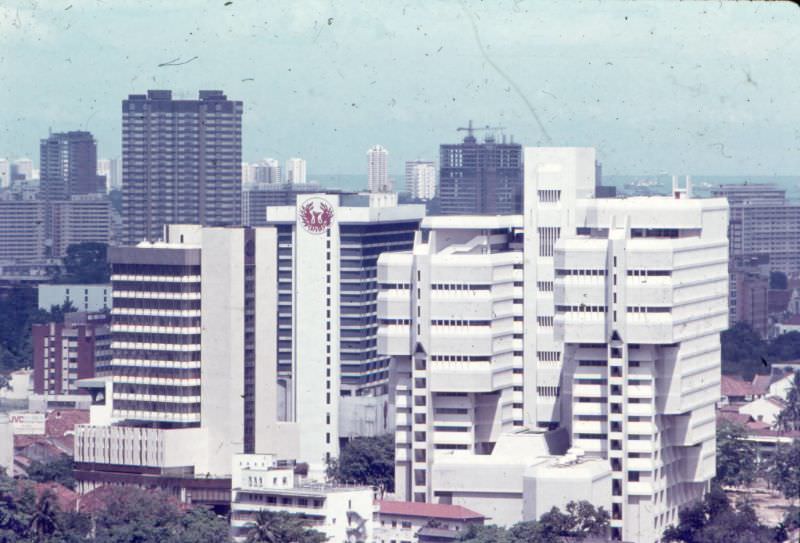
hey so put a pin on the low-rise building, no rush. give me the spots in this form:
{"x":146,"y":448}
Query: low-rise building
{"x":407,"y":522}
{"x":259,"y":482}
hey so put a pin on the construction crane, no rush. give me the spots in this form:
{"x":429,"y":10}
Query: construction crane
{"x":469,"y":129}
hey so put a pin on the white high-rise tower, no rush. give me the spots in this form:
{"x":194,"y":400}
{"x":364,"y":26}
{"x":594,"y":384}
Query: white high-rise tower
{"x":296,"y":171}
{"x":377,"y":169}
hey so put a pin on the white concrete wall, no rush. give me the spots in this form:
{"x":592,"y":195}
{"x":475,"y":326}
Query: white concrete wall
{"x":222,"y":344}
{"x":83,"y":297}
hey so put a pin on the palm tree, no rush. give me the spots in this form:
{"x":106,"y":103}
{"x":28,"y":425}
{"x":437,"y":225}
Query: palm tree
{"x":282,"y":527}
{"x":44,"y":522}
{"x":789,"y":418}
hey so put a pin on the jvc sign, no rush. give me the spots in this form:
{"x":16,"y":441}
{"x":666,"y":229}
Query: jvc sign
{"x":27,"y":424}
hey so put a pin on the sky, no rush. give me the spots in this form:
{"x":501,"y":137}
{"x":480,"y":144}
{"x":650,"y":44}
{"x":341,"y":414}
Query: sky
{"x":680,"y":87}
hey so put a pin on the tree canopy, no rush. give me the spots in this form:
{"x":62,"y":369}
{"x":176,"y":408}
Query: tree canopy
{"x":128,"y":515}
{"x":789,"y":418}
{"x":279,"y":527}
{"x":744,"y":353}
{"x":716,"y":520}
{"x":19,"y":311}
{"x":783,"y":470}
{"x":581,"y":520}
{"x":85,"y":263}
{"x":736,"y":457}
{"x":778,"y":280}
{"x":367,"y":461}
{"x":56,"y":471}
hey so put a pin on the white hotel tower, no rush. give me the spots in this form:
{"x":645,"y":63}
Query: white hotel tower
{"x":623,"y":303}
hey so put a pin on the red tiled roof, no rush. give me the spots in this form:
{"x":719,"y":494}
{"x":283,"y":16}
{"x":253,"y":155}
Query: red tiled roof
{"x":736,"y":418}
{"x":428,"y":510}
{"x":757,"y":425}
{"x":777,"y":402}
{"x":62,"y":421}
{"x":735,"y":386}
{"x":792,"y":320}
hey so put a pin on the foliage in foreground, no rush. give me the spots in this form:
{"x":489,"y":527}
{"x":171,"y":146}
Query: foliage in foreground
{"x":580,"y":521}
{"x":277,"y":527}
{"x":129,"y":515}
{"x":736,"y":457}
{"x":716,"y":520}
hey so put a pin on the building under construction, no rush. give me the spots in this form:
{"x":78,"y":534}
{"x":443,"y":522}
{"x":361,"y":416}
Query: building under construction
{"x":480,"y":178}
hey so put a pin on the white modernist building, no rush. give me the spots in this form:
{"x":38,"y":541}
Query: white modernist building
{"x":586,"y":322}
{"x":640,"y":299}
{"x":261,"y":483}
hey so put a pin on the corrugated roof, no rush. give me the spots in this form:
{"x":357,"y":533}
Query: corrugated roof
{"x":427,"y":510}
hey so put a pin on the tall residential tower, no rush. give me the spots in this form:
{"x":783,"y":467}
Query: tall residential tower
{"x":181,"y":162}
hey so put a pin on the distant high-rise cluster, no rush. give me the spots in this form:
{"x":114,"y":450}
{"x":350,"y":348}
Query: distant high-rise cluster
{"x":378,"y":169}
{"x":181,"y":162}
{"x":67,"y":206}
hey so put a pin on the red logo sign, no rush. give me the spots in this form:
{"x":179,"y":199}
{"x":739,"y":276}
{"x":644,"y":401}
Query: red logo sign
{"x":316,"y":215}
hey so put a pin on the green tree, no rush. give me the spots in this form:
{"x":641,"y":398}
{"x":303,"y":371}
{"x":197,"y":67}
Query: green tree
{"x":742,"y":351}
{"x":56,"y":471}
{"x":581,"y":519}
{"x":86,"y":263}
{"x":715,"y":520}
{"x":736,"y":457}
{"x":366,"y":460}
{"x":789,"y":418}
{"x":17,"y":505}
{"x":784,"y":347}
{"x":44,"y":521}
{"x":485,"y":534}
{"x":282,"y":527}
{"x":783,"y":470}
{"x":153,"y":516}
{"x":778,"y":280}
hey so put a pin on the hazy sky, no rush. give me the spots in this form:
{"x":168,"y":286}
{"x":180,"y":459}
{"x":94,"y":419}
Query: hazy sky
{"x":689,"y":87}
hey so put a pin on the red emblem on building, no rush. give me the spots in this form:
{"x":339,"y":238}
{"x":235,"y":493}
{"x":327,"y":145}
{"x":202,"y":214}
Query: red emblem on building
{"x":316,"y":215}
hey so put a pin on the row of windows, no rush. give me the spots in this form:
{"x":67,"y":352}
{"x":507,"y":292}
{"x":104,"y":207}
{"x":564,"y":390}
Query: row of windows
{"x":459,"y":286}
{"x":649,"y":273}
{"x":153,"y":286}
{"x":548,"y":391}
{"x":459,"y":358}
{"x":154,"y":269}
{"x":648,"y":309}
{"x":459,"y":322}
{"x":156,"y":407}
{"x":564,"y":272}
{"x":173,"y":339}
{"x":156,"y":390}
{"x":581,"y":308}
{"x":393,"y":286}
